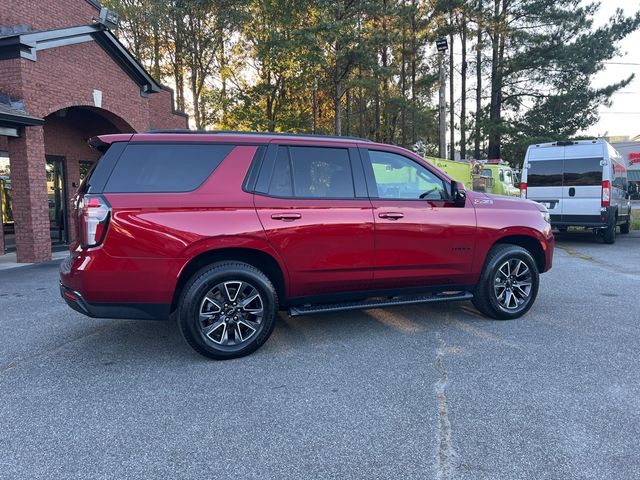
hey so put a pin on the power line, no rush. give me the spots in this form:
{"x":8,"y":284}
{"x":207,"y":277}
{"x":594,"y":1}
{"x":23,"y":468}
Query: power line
{"x":623,"y":63}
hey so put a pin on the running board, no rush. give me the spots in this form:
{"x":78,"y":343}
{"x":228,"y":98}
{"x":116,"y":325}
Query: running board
{"x":379,"y":303}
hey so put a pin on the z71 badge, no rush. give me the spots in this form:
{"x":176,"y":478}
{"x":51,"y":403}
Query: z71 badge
{"x":482,"y":201}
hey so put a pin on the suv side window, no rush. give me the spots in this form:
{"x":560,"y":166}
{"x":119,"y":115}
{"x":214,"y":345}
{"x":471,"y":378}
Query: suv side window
{"x":312,"y":172}
{"x":398,"y":177}
{"x":165,"y":167}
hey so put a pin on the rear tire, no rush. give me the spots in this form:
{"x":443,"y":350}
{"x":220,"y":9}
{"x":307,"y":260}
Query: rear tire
{"x":508,"y":284}
{"x":626,"y":226}
{"x":609,"y":233}
{"x":227,"y":310}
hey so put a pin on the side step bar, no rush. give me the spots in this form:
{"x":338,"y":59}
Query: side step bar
{"x":379,"y":303}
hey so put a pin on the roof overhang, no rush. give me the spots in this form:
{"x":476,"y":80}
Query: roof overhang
{"x":27,"y":45}
{"x":18,"y":119}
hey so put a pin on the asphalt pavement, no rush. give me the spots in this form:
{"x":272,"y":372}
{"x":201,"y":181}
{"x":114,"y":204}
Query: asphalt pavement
{"x":433,"y":392}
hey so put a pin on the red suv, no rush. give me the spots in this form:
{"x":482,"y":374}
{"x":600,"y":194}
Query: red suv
{"x":225,"y":229}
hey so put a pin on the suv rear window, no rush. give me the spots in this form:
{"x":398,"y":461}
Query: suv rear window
{"x":545,"y":173}
{"x":162,"y":167}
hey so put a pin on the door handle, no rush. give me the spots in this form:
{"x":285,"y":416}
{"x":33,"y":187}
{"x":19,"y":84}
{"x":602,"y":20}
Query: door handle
{"x":286,"y":217}
{"x":572,"y":192}
{"x":391,"y":215}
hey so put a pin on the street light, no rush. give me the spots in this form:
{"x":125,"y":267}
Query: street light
{"x":442,"y":45}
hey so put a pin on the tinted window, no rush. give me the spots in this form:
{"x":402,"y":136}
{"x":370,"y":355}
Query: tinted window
{"x":281,"y":184}
{"x":545,"y":173}
{"x":165,"y":167}
{"x":321,"y":172}
{"x":582,"y":171}
{"x":398,"y":177}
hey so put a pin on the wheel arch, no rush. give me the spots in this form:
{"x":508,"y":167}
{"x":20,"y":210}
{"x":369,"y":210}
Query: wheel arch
{"x":529,"y":243}
{"x":259,"y":259}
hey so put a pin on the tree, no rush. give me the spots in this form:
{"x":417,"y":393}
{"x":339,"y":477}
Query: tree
{"x":543,"y":52}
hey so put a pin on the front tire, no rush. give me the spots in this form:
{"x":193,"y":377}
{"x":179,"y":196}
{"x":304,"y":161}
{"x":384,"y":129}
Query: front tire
{"x":508,"y":284}
{"x":227,"y":310}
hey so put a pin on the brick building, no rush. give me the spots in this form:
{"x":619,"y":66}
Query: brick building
{"x":64,"y":77}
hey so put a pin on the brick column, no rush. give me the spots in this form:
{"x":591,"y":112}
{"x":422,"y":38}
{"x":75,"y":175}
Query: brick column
{"x":1,"y":231}
{"x":29,"y":191}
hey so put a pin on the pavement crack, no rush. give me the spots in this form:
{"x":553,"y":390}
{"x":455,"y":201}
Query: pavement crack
{"x":445,"y":448}
{"x":20,"y":360}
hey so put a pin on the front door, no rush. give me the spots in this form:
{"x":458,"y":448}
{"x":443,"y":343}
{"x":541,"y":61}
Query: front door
{"x":57,"y":195}
{"x":421,"y":237}
{"x":314,"y":210}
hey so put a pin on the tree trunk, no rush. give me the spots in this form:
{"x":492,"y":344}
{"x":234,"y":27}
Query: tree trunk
{"x":337,"y":104}
{"x":403,"y":87}
{"x":478,"y":82}
{"x":377,"y":116}
{"x":463,"y":89}
{"x":414,"y":54}
{"x":495,"y":107}
{"x":223,"y":78}
{"x":452,"y":124}
{"x":361,"y":112}
{"x":178,"y":68}
{"x":348,"y":104}
{"x":315,"y":105}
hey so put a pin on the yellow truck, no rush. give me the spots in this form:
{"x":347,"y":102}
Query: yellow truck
{"x":492,"y":176}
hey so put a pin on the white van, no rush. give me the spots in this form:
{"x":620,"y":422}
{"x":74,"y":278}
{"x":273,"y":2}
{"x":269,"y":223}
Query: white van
{"x":582,"y":183}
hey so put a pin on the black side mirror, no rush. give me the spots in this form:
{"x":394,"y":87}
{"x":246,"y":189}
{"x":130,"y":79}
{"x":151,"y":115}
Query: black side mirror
{"x":458,"y":194}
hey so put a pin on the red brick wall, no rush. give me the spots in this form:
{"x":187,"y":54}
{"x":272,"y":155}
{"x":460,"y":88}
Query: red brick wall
{"x":29,"y":196}
{"x":46,"y":14}
{"x":63,"y":78}
{"x":159,"y":105}
{"x":66,"y":76}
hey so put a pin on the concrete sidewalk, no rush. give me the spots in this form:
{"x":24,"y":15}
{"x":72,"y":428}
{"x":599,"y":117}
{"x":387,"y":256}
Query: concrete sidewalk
{"x":8,"y":260}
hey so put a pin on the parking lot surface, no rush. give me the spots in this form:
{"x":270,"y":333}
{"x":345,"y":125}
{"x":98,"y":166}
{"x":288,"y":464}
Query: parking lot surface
{"x":434,"y":392}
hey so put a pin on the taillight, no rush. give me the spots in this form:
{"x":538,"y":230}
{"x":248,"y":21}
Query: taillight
{"x":606,"y":193}
{"x":94,"y":218}
{"x":523,"y":190}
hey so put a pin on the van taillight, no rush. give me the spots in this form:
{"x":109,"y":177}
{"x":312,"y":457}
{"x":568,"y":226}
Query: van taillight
{"x":94,"y":218}
{"x":523,"y":190}
{"x":606,"y":193}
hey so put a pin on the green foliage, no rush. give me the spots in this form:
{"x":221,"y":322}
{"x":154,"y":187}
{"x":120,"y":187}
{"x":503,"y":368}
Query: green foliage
{"x":368,"y":67}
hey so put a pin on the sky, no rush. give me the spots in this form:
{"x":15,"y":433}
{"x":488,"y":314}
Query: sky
{"x":623,"y":117}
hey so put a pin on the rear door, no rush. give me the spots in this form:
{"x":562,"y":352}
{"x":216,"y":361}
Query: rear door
{"x":582,"y":185}
{"x":312,"y":202}
{"x":544,"y":167}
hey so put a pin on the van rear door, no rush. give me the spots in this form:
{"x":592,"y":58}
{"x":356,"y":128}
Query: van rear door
{"x":582,"y":187}
{"x":544,"y":167}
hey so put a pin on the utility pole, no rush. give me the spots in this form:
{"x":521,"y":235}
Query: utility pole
{"x":442,"y":46}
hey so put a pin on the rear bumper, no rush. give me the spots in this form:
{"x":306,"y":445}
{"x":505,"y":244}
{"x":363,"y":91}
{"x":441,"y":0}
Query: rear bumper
{"x":590,"y":221}
{"x":134,"y":311}
{"x":73,"y":288}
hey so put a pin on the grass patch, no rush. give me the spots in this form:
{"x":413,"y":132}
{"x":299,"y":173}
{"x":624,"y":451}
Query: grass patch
{"x":635,"y":219}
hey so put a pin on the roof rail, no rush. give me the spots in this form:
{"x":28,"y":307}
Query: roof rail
{"x":270,"y":134}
